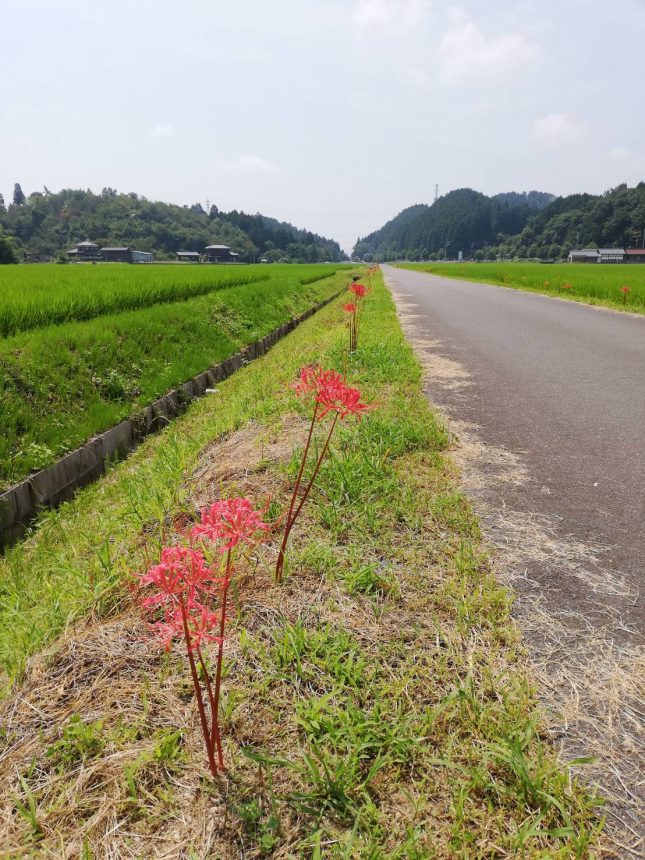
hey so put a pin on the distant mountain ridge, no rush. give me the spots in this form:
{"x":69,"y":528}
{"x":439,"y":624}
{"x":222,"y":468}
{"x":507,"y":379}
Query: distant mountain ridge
{"x":49,"y":223}
{"x":527,"y":224}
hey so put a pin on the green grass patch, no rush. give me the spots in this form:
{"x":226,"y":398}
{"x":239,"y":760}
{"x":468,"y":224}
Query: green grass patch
{"x":588,"y":283}
{"x":60,"y":385}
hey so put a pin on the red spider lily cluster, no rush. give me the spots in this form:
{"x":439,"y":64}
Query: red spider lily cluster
{"x":625,"y":290}
{"x":330,"y":395}
{"x":353,"y":308}
{"x":184,"y":587}
{"x":186,"y":595}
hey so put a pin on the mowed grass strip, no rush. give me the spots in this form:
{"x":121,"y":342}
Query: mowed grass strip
{"x":60,"y":385}
{"x":593,"y":284}
{"x":376,"y":705}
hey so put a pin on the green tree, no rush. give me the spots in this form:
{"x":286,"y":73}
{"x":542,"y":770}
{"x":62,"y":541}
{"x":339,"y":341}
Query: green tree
{"x":479,"y":255}
{"x":8,"y":252}
{"x":18,"y":195}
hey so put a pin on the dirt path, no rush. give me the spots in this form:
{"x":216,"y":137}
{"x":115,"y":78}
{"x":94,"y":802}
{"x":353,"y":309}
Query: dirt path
{"x":548,"y":404}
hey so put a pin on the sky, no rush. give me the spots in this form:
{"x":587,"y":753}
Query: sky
{"x":333,"y":115}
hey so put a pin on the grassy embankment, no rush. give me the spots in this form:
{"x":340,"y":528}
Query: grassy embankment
{"x":591,"y":284}
{"x":376,"y":704}
{"x":125,"y":336}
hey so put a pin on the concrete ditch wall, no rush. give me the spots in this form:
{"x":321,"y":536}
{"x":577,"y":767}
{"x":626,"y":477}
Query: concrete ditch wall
{"x":20,"y":505}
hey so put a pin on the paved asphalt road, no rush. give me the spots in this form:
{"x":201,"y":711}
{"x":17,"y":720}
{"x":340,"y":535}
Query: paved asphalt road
{"x":561,"y":384}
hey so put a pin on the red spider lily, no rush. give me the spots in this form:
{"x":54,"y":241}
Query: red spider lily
{"x":331,"y":395}
{"x":625,"y":289}
{"x":227,"y":524}
{"x":352,"y":309}
{"x":200,"y":621}
{"x":307,"y":382}
{"x":359,"y":290}
{"x":184,"y":585}
{"x":566,"y":286}
{"x":231,"y":521}
{"x":342,"y":400}
{"x":179,"y":577}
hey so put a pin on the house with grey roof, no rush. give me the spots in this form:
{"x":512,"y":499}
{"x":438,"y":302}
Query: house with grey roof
{"x":220,"y":254}
{"x":597,"y":255}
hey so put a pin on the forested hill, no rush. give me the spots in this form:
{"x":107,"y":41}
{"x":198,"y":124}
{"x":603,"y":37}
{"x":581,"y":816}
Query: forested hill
{"x":512,"y":224}
{"x":50,"y":223}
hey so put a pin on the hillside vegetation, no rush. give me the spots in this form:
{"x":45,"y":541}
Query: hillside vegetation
{"x":515,"y":225}
{"x":50,"y":223}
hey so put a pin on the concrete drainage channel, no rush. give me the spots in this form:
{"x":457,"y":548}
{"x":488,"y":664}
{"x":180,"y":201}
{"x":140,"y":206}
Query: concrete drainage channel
{"x":20,"y":505}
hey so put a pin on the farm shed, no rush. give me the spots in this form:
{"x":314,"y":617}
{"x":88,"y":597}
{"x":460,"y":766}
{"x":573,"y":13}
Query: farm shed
{"x":597,"y":255}
{"x":611,"y":255}
{"x":188,"y":256}
{"x":635,"y":255}
{"x":126,"y":255}
{"x":219,"y":254}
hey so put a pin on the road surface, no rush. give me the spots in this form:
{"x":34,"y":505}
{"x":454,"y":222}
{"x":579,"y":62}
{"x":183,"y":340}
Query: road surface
{"x":562,"y":384}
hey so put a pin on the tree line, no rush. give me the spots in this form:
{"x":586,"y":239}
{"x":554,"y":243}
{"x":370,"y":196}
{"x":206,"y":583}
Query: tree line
{"x":524,"y":226}
{"x":48,"y":224}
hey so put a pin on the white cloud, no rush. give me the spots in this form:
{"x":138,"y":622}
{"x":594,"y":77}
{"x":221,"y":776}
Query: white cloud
{"x":466,"y":53}
{"x":555,"y":128}
{"x":161,"y":130}
{"x":620,"y":153}
{"x":388,"y":14}
{"x":246,"y":164}
{"x":415,"y":74}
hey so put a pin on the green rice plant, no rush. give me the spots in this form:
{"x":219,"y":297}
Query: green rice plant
{"x":60,"y":385}
{"x":31,"y":298}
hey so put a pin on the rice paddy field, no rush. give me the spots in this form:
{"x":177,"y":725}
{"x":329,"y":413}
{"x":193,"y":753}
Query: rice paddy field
{"x":82,"y":347}
{"x":592,"y":284}
{"x":35,"y":296}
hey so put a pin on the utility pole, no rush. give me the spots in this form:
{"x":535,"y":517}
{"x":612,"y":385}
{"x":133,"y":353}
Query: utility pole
{"x":485,"y":252}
